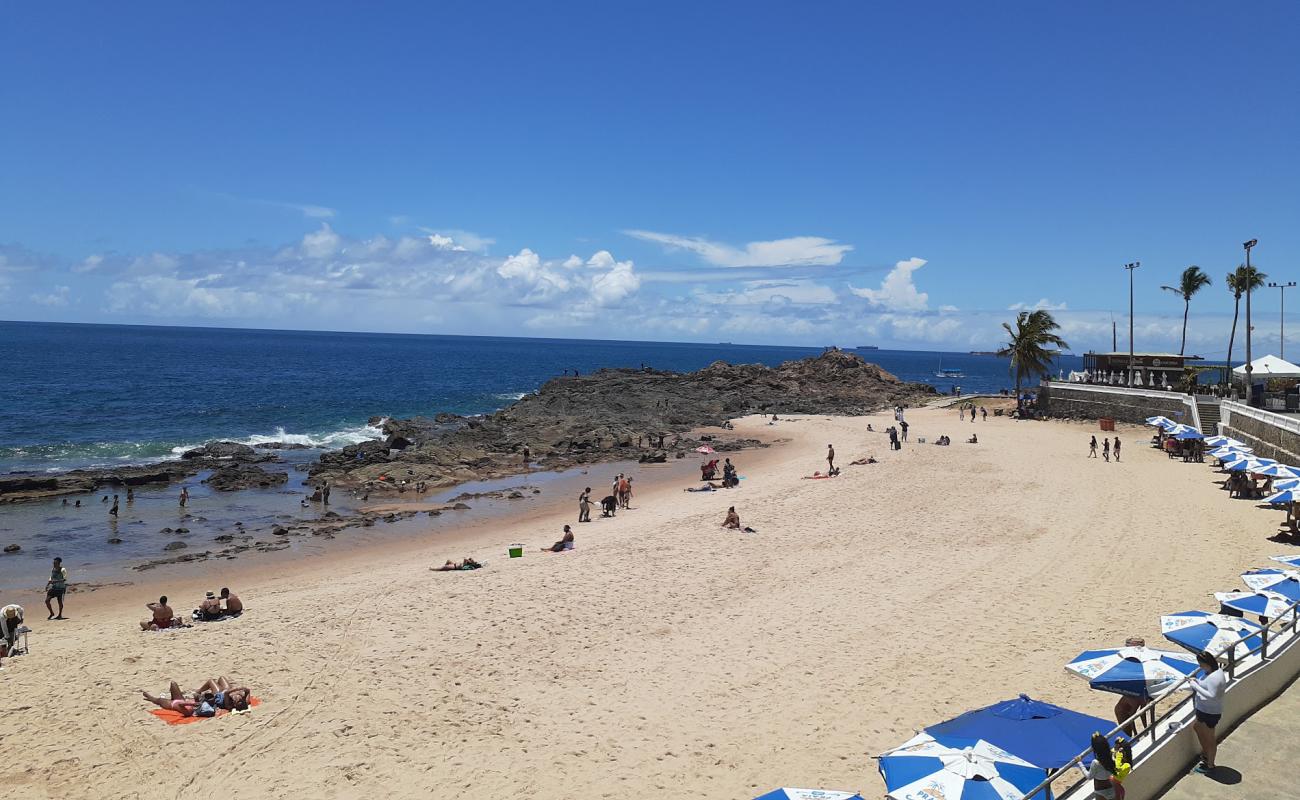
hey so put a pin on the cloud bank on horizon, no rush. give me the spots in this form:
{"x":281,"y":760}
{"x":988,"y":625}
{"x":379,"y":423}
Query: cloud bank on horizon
{"x":780,"y":291}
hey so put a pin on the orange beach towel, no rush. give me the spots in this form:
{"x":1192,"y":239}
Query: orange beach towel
{"x":176,"y":718}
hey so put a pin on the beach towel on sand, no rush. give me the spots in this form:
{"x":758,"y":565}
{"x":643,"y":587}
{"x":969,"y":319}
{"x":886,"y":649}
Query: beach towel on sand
{"x":176,"y":718}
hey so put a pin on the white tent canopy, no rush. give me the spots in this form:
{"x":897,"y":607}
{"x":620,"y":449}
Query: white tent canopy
{"x":1269,"y":366}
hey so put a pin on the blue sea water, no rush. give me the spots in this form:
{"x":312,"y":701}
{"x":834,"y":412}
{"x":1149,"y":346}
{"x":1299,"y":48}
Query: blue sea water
{"x":80,"y":395}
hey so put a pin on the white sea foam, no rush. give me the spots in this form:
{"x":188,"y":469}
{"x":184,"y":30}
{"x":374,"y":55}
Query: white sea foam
{"x":511,"y":396}
{"x":324,"y":441}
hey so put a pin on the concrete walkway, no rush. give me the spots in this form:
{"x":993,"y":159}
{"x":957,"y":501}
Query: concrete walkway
{"x":1254,"y":759}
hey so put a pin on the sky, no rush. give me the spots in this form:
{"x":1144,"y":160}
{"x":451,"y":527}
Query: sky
{"x":900,"y":174}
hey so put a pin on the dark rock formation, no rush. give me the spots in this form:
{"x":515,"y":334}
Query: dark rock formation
{"x":282,"y":446}
{"x":233,"y":477}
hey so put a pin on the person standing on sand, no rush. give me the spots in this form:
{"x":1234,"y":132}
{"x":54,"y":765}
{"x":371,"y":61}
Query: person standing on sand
{"x":325,"y":493}
{"x":130,"y":495}
{"x":830,"y":458}
{"x":984,"y":414}
{"x":113,"y":510}
{"x":55,"y":587}
{"x":1105,"y":449}
{"x":1092,"y":448}
{"x":902,"y":426}
{"x":1117,"y":448}
{"x":185,"y":495}
{"x":584,"y":505}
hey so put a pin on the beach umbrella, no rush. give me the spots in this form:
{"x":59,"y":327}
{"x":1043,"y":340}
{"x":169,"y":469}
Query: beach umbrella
{"x":1263,"y":604}
{"x":1284,"y":496}
{"x":1290,"y":561}
{"x":704,"y":448}
{"x":1189,"y":434}
{"x":1279,"y":471}
{"x":1178,"y":427}
{"x":957,"y":769}
{"x":1227,"y":453}
{"x":1158,"y":420}
{"x":1201,"y":630}
{"x":808,"y":794}
{"x":1285,"y":582}
{"x":1045,"y":735}
{"x":1225,"y":441}
{"x":1247,"y":464}
{"x":1286,"y":483}
{"x":1134,"y":671}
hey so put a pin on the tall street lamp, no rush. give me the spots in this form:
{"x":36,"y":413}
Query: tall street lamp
{"x":1281,"y":327}
{"x":1130,"y":268}
{"x":1250,"y":386}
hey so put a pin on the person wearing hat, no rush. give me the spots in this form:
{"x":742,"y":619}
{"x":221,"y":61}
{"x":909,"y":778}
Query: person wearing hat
{"x":11,"y":619}
{"x":210,"y":608}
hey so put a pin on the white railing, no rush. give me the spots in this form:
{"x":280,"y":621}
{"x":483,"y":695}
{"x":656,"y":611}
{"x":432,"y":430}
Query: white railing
{"x":1193,"y":413}
{"x":1287,"y":423}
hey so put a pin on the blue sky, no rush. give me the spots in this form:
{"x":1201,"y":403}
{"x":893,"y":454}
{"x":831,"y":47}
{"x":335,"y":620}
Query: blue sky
{"x":803,"y":173}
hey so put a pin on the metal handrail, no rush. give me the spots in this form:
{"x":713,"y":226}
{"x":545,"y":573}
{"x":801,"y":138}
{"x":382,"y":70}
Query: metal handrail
{"x":1293,"y":610}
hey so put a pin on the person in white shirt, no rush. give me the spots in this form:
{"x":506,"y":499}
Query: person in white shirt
{"x":11,"y":619}
{"x":1207,"y":699}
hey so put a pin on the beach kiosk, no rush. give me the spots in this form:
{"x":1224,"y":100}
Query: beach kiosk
{"x":1273,"y":383}
{"x":1150,"y":370}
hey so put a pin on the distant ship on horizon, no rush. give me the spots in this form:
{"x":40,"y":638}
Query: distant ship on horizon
{"x":867,"y":347}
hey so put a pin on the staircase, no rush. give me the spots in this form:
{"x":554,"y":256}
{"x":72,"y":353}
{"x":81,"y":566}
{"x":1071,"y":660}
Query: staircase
{"x":1209,"y":411}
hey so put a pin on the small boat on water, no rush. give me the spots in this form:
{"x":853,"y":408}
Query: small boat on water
{"x":950,"y":372}
{"x":867,"y":347}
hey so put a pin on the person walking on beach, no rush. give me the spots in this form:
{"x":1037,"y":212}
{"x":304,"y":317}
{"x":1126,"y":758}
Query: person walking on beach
{"x":1092,"y":448}
{"x":830,"y":458}
{"x":1105,"y":449}
{"x":55,"y":587}
{"x":185,"y":495}
{"x":984,"y":414}
{"x":893,"y":438}
{"x":325,"y":493}
{"x":1117,"y":448}
{"x":902,"y":426}
{"x":1207,"y":699}
{"x":584,"y":505}
{"x":113,"y":511}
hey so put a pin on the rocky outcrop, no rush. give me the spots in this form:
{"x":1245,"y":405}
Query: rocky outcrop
{"x":227,"y":451}
{"x":19,"y":486}
{"x":232,"y":477}
{"x":608,"y":415}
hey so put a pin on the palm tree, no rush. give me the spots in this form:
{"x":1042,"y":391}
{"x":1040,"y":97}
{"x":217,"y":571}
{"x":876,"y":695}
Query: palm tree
{"x":1239,"y":281}
{"x":1189,"y":283}
{"x":1033,"y":345}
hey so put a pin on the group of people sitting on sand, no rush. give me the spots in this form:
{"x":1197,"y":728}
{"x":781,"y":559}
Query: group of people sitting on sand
{"x":215,"y":695}
{"x":213,"y":607}
{"x":709,"y":471}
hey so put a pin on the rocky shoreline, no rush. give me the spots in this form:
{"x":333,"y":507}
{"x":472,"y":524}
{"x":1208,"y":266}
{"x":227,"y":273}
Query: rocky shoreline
{"x":643,"y":415}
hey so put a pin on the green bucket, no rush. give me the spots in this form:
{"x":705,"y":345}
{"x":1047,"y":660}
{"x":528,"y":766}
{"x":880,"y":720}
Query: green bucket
{"x":516,"y":551}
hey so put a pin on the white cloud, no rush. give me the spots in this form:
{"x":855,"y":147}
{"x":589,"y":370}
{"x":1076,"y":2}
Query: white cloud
{"x":88,"y":264}
{"x":467,"y":240}
{"x":57,"y":297}
{"x":799,"y":251}
{"x":320,"y":244}
{"x":444,"y":242}
{"x":1042,"y":305}
{"x":612,"y":287}
{"x":897,"y":292}
{"x":781,"y":292}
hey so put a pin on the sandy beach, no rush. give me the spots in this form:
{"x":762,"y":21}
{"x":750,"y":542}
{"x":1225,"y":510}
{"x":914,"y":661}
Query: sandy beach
{"x":664,"y":654}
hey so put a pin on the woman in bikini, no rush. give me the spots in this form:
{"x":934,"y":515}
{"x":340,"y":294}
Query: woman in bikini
{"x":175,"y":702}
{"x":231,"y":698}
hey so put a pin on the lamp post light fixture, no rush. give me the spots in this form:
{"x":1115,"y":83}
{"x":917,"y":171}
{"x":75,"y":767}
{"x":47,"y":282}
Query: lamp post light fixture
{"x":1130,"y":268}
{"x":1281,"y":327}
{"x":1250,"y":386}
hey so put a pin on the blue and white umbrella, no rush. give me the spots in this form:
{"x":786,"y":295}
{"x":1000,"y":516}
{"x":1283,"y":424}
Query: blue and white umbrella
{"x":1264,"y":604}
{"x":925,"y":768}
{"x":1284,"y":496}
{"x":1191,"y":434}
{"x":1224,"y":441}
{"x":1286,"y":483}
{"x":1230,"y":453}
{"x":1285,"y":582}
{"x":1279,"y":471}
{"x":1134,"y":671}
{"x":1247,"y":464}
{"x":1290,"y":561}
{"x":1179,"y":428}
{"x":808,"y":794}
{"x":1201,"y":630}
{"x":1159,"y":421}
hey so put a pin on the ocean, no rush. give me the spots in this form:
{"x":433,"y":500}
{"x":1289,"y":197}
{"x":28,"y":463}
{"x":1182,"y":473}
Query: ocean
{"x":98,"y":395}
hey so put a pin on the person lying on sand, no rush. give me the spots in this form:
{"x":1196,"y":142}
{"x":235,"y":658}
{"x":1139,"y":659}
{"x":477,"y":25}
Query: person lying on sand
{"x":453,"y":566}
{"x":861,"y":461}
{"x":565,"y":543}
{"x":711,"y":487}
{"x":163,"y":616}
{"x":177,"y":701}
{"x":225,"y":695}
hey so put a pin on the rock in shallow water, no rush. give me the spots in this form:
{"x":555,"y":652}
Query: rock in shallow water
{"x":176,"y":546}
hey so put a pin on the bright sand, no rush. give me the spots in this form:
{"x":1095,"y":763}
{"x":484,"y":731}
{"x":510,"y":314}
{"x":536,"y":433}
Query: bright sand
{"x":664,"y":654}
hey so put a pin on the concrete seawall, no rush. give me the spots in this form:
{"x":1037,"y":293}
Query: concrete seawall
{"x":1275,"y":436}
{"x":1084,"y":401}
